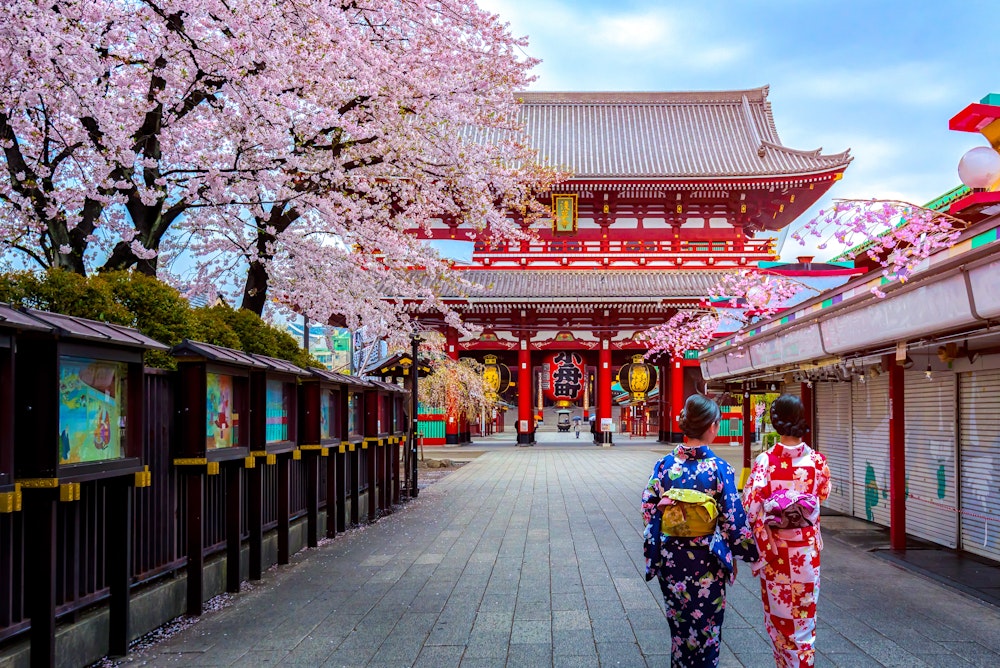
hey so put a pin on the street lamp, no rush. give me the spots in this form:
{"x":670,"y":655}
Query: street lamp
{"x":979,"y":168}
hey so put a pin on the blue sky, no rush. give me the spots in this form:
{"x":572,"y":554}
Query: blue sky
{"x":880,"y":78}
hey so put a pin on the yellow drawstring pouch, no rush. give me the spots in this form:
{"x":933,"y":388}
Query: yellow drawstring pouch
{"x":689,"y":513}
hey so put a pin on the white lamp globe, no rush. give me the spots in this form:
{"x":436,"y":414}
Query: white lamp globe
{"x":979,"y":167}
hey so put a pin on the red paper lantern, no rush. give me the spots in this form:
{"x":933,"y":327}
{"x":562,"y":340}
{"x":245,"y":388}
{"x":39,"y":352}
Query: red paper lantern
{"x":562,"y":376}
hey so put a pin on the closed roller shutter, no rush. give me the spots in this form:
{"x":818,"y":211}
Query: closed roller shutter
{"x":833,"y":439}
{"x":794,"y":389}
{"x":979,"y":463}
{"x":931,"y":449}
{"x":870,"y":422}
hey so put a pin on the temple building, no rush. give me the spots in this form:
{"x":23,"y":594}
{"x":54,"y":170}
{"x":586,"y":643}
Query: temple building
{"x":668,"y":192}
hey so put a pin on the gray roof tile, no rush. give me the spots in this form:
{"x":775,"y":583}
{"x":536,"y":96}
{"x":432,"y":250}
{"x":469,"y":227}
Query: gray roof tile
{"x":678,"y":135}
{"x":583,"y":284}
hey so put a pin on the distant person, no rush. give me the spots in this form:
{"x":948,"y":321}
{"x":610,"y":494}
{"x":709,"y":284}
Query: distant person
{"x":786,"y":486}
{"x":695,"y":525}
{"x":576,"y":428}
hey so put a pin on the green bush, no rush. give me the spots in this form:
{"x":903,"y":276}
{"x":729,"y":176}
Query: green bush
{"x":152,"y":307}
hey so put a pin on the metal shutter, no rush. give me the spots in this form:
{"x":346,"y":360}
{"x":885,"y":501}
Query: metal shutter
{"x":794,"y":389}
{"x":931,"y":450}
{"x":870,"y":422}
{"x":833,"y":439}
{"x":979,"y":448}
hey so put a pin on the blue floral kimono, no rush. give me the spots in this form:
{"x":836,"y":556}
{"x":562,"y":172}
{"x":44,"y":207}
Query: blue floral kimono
{"x":693,"y":572}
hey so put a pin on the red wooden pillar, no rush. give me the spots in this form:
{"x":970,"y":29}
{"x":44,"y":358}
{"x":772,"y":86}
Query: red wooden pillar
{"x":604,"y":389}
{"x":663,"y":378}
{"x":897,"y":456}
{"x":747,"y":437}
{"x":525,"y":383}
{"x":676,"y":397}
{"x":451,"y":426}
{"x":806,"y":393}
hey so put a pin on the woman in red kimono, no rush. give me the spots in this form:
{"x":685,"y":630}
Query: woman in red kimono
{"x":782,"y":497}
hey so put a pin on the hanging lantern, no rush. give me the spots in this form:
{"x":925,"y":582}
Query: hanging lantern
{"x":496,"y":375}
{"x":637,"y":378}
{"x":563,"y":372}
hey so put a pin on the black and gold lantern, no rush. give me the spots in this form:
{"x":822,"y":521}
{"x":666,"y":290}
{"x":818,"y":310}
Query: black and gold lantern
{"x":496,"y":374}
{"x":637,"y":378}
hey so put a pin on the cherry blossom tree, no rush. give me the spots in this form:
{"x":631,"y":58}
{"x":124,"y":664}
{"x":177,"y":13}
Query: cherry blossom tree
{"x":457,"y":386}
{"x":741,"y":298}
{"x":893,"y":234}
{"x":292,"y":143}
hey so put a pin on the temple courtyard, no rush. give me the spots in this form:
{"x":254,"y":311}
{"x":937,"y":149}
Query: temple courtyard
{"x":532,"y":557}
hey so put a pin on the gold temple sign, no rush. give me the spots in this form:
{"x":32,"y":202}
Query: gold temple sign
{"x":564,"y":214}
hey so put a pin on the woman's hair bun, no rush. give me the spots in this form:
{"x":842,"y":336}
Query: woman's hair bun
{"x":788,"y":416}
{"x":698,"y":414}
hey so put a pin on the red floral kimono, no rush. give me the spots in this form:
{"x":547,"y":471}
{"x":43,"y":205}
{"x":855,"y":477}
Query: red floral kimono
{"x":789,"y":561}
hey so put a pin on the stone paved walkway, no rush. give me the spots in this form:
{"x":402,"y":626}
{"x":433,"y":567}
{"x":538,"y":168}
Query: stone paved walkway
{"x":531,"y":557}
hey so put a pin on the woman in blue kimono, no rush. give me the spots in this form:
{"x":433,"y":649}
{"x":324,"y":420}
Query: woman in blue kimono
{"x":693,"y":570}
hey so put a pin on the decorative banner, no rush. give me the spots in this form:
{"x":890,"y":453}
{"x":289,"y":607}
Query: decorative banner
{"x":637,"y":378}
{"x":565,"y":376}
{"x":564,"y":214}
{"x":496,"y":375}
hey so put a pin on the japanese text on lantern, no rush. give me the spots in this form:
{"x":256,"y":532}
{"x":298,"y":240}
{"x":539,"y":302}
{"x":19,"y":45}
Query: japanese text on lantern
{"x":567,"y":375}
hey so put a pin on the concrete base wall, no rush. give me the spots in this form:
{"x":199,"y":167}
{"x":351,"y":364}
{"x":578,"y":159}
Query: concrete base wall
{"x":85,"y":641}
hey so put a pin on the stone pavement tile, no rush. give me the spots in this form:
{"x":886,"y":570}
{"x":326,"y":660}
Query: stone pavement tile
{"x":530,"y":655}
{"x":620,"y":654}
{"x":487,"y":646}
{"x":613,"y":630}
{"x":574,"y":661}
{"x":399,"y":651}
{"x":654,"y":643}
{"x":183,"y":659}
{"x":498,"y":603}
{"x":614,"y":610}
{"x":571,"y":620}
{"x":312,"y":651}
{"x":974,"y":653}
{"x":483,"y":662}
{"x":887,"y":652}
{"x":852,"y":660}
{"x":573,"y":642}
{"x":263,"y":658}
{"x":439,"y":657}
{"x":450,"y":632}
{"x":651,"y":621}
{"x":531,"y":631}
{"x":829,"y":641}
{"x":746,"y":641}
{"x":568,"y":601}
{"x":353,"y":658}
{"x":536,"y":610}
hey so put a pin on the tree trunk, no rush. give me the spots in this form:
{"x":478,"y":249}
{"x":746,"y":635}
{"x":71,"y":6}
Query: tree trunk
{"x":255,"y":288}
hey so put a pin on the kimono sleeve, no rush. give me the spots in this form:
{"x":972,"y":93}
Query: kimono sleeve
{"x":654,"y":490}
{"x":733,"y":523}
{"x":822,"y":477}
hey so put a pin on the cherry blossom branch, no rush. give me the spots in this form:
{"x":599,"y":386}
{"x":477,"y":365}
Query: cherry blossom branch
{"x":893,"y":234}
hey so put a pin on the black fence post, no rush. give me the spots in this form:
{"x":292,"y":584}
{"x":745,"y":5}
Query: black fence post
{"x":118,"y":564}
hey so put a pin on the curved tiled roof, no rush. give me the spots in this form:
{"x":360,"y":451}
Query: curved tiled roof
{"x":584,"y":285}
{"x":676,"y":135}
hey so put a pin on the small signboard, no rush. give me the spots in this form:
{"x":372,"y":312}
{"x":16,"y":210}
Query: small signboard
{"x":607,"y":425}
{"x":524,"y":426}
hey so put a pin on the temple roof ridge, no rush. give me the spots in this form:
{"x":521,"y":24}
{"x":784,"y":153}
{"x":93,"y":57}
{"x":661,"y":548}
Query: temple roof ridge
{"x":642,"y":97}
{"x":665,"y":135}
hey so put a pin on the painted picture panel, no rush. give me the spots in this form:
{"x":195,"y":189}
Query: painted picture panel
{"x":326,"y":414}
{"x":92,"y":409}
{"x":222,"y":427}
{"x":277,"y":409}
{"x":355,"y":416}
